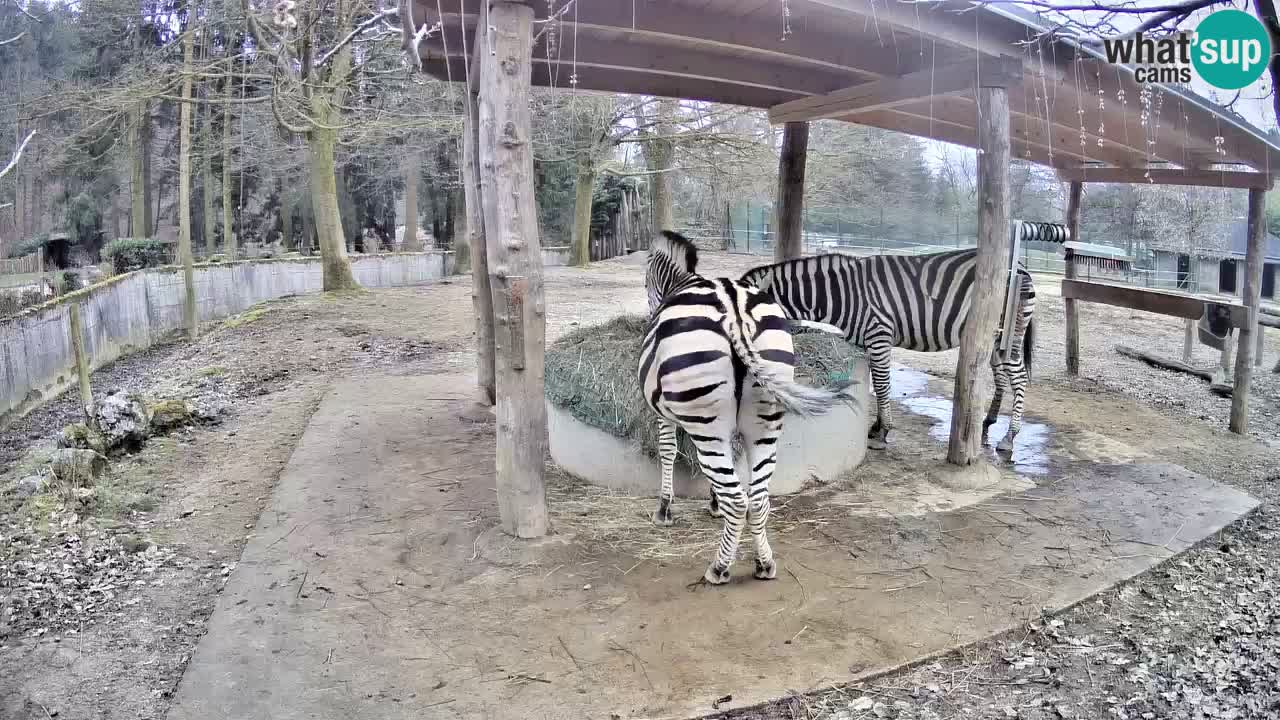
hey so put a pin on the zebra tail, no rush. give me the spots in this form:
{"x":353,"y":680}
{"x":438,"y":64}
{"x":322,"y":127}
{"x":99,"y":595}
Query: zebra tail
{"x":795,"y":398}
{"x":1028,"y":345}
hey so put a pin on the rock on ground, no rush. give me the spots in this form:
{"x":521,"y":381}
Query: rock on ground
{"x":123,"y":421}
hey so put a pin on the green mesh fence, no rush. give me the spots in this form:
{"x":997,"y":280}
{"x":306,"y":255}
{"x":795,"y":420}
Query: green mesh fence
{"x":591,"y":374}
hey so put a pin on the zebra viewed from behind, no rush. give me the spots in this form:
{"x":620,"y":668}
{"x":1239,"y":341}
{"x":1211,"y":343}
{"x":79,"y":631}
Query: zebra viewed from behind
{"x":916,"y":302}
{"x":717,"y":360}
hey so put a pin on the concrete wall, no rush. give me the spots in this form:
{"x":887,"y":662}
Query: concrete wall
{"x":556,"y":256}
{"x":131,"y":311}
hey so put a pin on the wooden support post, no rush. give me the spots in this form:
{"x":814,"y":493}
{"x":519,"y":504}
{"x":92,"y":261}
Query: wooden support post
{"x":515,"y":268}
{"x":1252,"y":298}
{"x":82,"y":363}
{"x":1188,"y":339}
{"x":973,"y":370}
{"x":1257,"y":351}
{"x":790,"y":212}
{"x":189,"y":320}
{"x":1073,"y":310}
{"x":481,"y":294}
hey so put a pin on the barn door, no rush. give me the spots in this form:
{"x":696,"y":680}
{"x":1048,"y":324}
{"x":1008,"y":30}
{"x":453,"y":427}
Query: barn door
{"x":1184,"y":271}
{"x":1227,"y":277}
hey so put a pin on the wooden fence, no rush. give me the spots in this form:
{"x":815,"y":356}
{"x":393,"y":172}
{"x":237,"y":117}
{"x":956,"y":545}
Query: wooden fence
{"x":33,"y":263}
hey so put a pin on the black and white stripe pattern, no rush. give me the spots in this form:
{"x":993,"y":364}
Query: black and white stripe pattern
{"x":718,"y":361}
{"x":916,"y":302}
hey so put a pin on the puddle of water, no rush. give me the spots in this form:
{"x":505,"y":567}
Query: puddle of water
{"x":905,"y":382}
{"x":1029,"y":455}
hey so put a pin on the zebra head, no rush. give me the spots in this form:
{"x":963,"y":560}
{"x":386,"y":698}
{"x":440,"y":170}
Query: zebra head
{"x":760,"y":277}
{"x":672,"y":260}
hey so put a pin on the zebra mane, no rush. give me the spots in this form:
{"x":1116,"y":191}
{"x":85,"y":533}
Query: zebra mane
{"x":678,"y":248}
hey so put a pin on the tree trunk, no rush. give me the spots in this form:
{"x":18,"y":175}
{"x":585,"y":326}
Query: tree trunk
{"x":791,"y":162}
{"x":206,"y":179}
{"x":660,"y":155}
{"x":1074,"y":197}
{"x":481,"y":293}
{"x":184,"y":191}
{"x":286,"y":217}
{"x":581,"y":234}
{"x":324,"y":203}
{"x":148,"y":199}
{"x":308,"y":243}
{"x":412,"y":170}
{"x":137,"y":187}
{"x":1251,"y":295}
{"x":515,"y":266}
{"x":228,"y":220}
{"x":990,"y":278}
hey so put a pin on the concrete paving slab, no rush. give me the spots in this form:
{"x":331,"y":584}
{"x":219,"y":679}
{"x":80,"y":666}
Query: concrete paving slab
{"x":377,"y":584}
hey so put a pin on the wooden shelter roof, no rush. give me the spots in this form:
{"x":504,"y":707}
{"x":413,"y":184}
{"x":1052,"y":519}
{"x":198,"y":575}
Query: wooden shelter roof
{"x":909,"y":67}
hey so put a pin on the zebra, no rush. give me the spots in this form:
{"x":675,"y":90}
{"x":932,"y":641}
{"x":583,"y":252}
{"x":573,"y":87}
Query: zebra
{"x":916,"y":302}
{"x":717,"y":361}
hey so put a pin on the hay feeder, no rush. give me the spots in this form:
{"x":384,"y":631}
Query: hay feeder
{"x":601,"y":431}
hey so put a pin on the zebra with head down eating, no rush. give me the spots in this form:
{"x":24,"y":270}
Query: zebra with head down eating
{"x":916,"y":302}
{"x":717,"y":361}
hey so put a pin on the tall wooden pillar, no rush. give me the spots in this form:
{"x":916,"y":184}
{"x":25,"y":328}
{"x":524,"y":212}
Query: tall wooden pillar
{"x":515,"y":268}
{"x":1073,"y":317}
{"x":973,"y":371}
{"x":790,"y":201}
{"x":1252,"y":297}
{"x":481,"y":294}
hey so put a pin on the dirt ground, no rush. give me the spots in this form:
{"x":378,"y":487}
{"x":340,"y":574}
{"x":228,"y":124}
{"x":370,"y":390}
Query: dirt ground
{"x":110,"y":636}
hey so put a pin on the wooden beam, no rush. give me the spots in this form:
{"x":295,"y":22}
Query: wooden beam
{"x":636,"y":81}
{"x":990,"y":71}
{"x":1160,"y":302}
{"x":790,"y":213}
{"x":620,"y":51}
{"x":1074,"y":196}
{"x":990,"y":278}
{"x":515,"y":269}
{"x":1252,"y":297}
{"x":481,"y":293}
{"x":953,"y":132}
{"x":666,"y":23}
{"x":1169,"y":176}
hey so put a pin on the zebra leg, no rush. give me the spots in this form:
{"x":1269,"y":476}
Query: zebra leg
{"x":1001,"y":383}
{"x":878,"y":359}
{"x":1015,"y":370}
{"x":1016,"y":374}
{"x":761,"y":424}
{"x":716,"y":457}
{"x":713,"y":507}
{"x":667,"y":456}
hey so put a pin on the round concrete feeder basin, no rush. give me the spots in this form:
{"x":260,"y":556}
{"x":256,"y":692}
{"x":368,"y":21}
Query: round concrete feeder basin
{"x":817,"y":449}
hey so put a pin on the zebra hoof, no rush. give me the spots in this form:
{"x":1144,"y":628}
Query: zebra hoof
{"x":662,"y":516}
{"x":766,"y":570}
{"x":1005,"y":445}
{"x":876,"y":443}
{"x":716,"y":574}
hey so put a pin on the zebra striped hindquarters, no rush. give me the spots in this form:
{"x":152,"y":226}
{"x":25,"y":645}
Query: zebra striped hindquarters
{"x":717,"y":361}
{"x":916,"y":302}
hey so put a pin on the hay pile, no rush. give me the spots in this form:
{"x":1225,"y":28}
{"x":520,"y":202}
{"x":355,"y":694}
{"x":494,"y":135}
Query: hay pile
{"x":591,"y":373}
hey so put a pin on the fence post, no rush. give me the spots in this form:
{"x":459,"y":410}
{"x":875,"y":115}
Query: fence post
{"x":82,"y":364}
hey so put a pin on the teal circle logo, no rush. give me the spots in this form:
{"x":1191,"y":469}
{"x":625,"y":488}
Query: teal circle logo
{"x":1231,"y":49}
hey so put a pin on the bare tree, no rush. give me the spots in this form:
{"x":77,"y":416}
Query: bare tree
{"x":17,"y":155}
